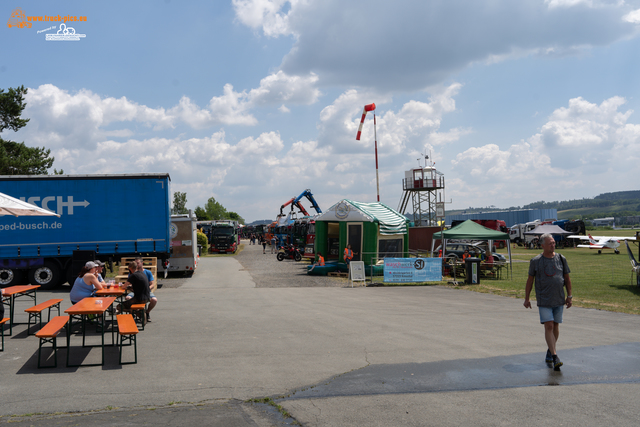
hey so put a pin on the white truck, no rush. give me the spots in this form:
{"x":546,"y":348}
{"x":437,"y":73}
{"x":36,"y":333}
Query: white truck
{"x":516,"y":232}
{"x":184,"y":245}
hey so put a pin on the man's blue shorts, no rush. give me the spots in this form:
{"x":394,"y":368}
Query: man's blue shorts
{"x":551,"y":314}
{"x":151,"y":295}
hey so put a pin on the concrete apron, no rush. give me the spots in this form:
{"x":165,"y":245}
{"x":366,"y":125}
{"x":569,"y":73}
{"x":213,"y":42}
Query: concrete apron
{"x":374,"y":356}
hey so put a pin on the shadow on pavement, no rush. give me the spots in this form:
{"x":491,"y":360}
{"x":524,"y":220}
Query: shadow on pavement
{"x":588,"y":365}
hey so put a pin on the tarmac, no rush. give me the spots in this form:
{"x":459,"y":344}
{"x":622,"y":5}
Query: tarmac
{"x":248,"y":338}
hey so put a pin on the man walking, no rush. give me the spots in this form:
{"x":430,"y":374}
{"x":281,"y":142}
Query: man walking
{"x":551,"y":274}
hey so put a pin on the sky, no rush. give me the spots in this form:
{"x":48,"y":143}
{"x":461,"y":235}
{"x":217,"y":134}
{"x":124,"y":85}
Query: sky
{"x":254,"y":101}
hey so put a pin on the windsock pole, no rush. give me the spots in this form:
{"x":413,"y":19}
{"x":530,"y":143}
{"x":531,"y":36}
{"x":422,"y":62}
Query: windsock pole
{"x":371,"y":107}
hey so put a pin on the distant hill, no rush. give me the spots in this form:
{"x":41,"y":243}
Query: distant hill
{"x":617,"y":204}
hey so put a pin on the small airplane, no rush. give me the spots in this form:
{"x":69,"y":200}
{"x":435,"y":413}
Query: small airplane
{"x":603,"y":242}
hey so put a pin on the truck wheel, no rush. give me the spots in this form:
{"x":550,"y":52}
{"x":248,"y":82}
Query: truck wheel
{"x":297,"y":256}
{"x":501,"y":245}
{"x":47,"y":276}
{"x":280,"y":256}
{"x":10,"y":277}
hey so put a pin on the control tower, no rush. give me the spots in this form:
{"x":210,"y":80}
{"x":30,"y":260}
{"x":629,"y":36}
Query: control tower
{"x":422,"y":187}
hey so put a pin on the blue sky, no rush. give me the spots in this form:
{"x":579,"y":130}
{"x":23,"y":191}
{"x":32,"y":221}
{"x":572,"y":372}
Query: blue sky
{"x":253,"y":101}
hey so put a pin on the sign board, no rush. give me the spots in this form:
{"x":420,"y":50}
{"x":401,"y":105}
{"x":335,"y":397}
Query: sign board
{"x":412,"y":270}
{"x":356,"y":271}
{"x":440,"y":210}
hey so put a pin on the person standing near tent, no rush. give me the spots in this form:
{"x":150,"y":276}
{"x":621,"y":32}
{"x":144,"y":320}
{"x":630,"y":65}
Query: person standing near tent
{"x":550,"y":272}
{"x":348,"y":254}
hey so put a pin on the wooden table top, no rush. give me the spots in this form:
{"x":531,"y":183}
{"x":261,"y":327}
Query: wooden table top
{"x":90,"y":306}
{"x":113,"y":291}
{"x":12,"y":290}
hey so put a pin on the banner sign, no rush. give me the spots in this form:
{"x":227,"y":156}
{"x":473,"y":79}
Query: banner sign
{"x":411,"y":270}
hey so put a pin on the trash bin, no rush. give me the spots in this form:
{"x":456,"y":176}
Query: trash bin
{"x":472,"y":271}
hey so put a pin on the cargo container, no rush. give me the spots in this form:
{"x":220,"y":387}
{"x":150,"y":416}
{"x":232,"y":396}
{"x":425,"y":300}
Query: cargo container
{"x":103,"y":217}
{"x":184,"y":244}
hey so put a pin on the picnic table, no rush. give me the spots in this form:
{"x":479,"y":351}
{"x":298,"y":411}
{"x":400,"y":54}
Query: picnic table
{"x":13,"y":292}
{"x":87,"y":306}
{"x":113,"y":291}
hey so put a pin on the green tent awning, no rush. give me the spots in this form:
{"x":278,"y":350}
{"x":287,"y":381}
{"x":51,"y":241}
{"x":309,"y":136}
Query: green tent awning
{"x":390,"y":221}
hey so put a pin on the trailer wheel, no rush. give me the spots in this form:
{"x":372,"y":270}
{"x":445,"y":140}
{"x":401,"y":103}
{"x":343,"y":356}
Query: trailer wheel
{"x":47,"y":276}
{"x":10,"y":277}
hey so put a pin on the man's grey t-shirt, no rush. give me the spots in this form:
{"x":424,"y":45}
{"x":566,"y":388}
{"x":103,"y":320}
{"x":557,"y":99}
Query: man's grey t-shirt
{"x":549,"y":278}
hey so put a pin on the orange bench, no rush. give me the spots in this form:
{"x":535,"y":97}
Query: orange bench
{"x":49,"y":334}
{"x":139,"y":312}
{"x":127,"y":331}
{"x":35,"y":312}
{"x":2,"y":322}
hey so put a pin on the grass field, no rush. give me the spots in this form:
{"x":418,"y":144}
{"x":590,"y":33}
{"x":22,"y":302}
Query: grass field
{"x":603,"y":281}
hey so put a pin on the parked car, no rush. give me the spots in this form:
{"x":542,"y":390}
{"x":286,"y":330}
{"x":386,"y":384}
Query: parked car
{"x":456,"y":250}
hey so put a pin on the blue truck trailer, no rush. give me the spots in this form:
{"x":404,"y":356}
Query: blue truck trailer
{"x":103,"y":217}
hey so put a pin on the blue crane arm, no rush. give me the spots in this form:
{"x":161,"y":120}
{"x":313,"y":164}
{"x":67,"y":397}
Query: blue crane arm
{"x":307,"y":193}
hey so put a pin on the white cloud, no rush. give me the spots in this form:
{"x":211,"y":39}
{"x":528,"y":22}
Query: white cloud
{"x":265,"y":14}
{"x":587,"y":3}
{"x":280,"y":87}
{"x":230,"y":109}
{"x":60,"y":118}
{"x":411,"y":45}
{"x":580,"y":148}
{"x":633,"y":17}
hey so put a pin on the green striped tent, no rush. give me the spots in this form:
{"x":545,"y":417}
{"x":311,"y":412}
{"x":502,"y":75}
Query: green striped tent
{"x":374,"y":230}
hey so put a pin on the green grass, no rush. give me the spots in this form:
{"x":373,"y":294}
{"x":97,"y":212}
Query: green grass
{"x":601,"y":281}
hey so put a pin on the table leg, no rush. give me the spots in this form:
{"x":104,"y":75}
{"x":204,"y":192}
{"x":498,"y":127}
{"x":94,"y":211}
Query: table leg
{"x":103,"y":316}
{"x":12,"y":301}
{"x":68,"y":340}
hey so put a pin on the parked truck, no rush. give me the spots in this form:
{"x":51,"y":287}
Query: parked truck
{"x":224,"y":236}
{"x":184,"y":245}
{"x":103,"y":217}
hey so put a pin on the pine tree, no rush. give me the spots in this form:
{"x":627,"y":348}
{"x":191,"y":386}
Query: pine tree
{"x":16,"y":158}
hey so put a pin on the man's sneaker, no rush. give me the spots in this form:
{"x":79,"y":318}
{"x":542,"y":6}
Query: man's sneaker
{"x":548,"y":358}
{"x":556,"y":363}
{"x":148,"y":318}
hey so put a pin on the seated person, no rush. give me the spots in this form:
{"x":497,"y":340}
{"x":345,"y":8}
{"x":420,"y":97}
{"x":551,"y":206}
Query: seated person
{"x":86,"y":283}
{"x":100,"y":270}
{"x":489,"y":260}
{"x":466,"y":254}
{"x":349,"y":253}
{"x":153,"y":300}
{"x":320,"y":262}
{"x":138,"y":282}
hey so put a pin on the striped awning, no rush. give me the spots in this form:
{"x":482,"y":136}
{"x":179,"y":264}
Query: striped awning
{"x":390,"y":221}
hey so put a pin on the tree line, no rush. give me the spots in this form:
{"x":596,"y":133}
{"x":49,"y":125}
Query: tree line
{"x":15,"y":157}
{"x":213,"y":210}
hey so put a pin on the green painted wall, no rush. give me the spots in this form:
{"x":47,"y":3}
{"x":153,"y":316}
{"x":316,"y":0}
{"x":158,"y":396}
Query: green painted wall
{"x":321,"y":238}
{"x":369,"y":239}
